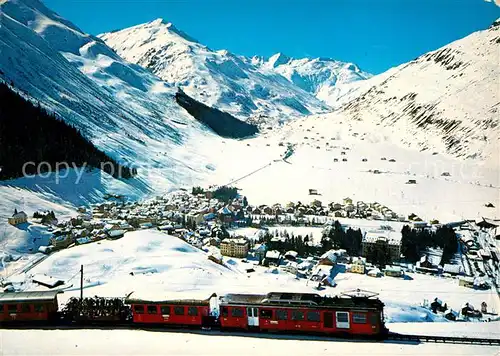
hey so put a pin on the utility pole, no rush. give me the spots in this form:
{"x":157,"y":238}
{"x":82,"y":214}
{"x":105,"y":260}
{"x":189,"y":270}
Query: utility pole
{"x":81,"y":284}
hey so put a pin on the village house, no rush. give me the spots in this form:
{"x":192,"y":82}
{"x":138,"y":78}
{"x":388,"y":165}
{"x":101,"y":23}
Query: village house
{"x":61,"y":241}
{"x":358,"y":265}
{"x":272,"y":257}
{"x":426,"y":266}
{"x":234,"y":247}
{"x":393,"y":271}
{"x":259,"y":251}
{"x":329,"y":258}
{"x":18,"y":218}
{"x":453,"y":269}
{"x":291,"y":255}
{"x":385,"y":237}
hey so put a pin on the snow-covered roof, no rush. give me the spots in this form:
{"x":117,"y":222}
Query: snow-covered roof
{"x":391,"y":237}
{"x":449,"y":268}
{"x":273,"y":254}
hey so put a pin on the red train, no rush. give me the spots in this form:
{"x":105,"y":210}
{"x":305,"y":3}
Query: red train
{"x":354,"y":314}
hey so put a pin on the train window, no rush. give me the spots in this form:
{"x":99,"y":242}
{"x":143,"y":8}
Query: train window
{"x":12,"y":308}
{"x":152,"y":309}
{"x":266,"y":314}
{"x":193,"y":311}
{"x":373,"y":319}
{"x":165,"y":310}
{"x":1,"y":308}
{"x":297,"y":315}
{"x":342,"y":317}
{"x":179,"y":310}
{"x":313,"y":316}
{"x":237,"y":312}
{"x":39,"y":308}
{"x":25,"y":308}
{"x":225,"y":312}
{"x":281,"y":315}
{"x":359,"y":318}
{"x":139,"y":309}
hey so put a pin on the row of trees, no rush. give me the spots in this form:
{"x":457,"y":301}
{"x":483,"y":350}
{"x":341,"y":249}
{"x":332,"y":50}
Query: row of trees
{"x":28,"y":134}
{"x":47,"y":217}
{"x":338,"y":238}
{"x":415,"y":242}
{"x":288,"y":242}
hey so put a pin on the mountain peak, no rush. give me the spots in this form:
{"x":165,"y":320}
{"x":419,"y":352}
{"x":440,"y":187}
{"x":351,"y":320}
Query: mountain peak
{"x":278,"y":59}
{"x":159,"y":21}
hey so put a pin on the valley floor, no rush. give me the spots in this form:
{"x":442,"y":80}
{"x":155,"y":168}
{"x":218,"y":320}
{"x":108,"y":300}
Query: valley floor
{"x":127,"y":342}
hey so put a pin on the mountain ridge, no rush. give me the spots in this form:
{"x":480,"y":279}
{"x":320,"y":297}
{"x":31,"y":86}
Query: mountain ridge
{"x":242,"y":86}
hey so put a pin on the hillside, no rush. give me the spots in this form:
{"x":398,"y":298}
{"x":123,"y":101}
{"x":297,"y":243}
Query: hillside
{"x":264,"y":88}
{"x":446,"y":100}
{"x":221,"y":123}
{"x":52,"y":141}
{"x":123,"y":109}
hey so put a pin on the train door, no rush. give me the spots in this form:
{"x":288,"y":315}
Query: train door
{"x":342,"y":319}
{"x":328,"y":320}
{"x":253,"y":316}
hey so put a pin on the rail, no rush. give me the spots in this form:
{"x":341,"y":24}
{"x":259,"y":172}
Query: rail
{"x":444,"y":339}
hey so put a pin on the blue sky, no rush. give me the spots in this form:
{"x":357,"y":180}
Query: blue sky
{"x":374,"y":34}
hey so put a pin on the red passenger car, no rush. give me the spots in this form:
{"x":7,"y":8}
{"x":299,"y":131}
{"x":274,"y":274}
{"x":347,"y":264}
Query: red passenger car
{"x":178,"y":310}
{"x":346,"y":315}
{"x":28,"y":306}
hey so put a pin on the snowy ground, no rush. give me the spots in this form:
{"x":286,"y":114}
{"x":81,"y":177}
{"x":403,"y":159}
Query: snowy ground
{"x":160,"y":264}
{"x":127,"y":342}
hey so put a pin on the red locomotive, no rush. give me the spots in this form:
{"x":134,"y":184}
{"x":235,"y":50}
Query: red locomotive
{"x":355,"y":314}
{"x":346,"y":315}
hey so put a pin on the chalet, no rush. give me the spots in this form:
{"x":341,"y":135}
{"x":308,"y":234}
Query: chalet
{"x":393,"y":271}
{"x":225,"y":215}
{"x":273,"y":257}
{"x":259,"y":251}
{"x":358,"y":265}
{"x":291,"y":255}
{"x":426,"y":266}
{"x":466,"y":282}
{"x":61,"y":241}
{"x":257,"y":211}
{"x":18,"y":218}
{"x":374,"y":272}
{"x":47,"y":281}
{"x":452,"y":269}
{"x":335,"y":206}
{"x":329,"y":258}
{"x":115,"y":234}
{"x":313,"y":192}
{"x":411,"y":181}
{"x":347,"y":201}
{"x":267,"y":210}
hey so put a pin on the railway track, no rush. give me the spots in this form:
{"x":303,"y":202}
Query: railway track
{"x":444,"y":339}
{"x":281,"y":335}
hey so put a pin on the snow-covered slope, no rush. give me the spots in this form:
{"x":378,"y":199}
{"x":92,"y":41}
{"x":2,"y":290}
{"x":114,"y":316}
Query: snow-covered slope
{"x":278,"y":87}
{"x":122,"y":108}
{"x":446,"y":100}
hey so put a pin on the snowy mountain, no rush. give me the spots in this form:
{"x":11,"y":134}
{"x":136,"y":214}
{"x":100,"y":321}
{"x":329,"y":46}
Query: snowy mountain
{"x":122,"y":108}
{"x":446,"y":100}
{"x":278,"y":87}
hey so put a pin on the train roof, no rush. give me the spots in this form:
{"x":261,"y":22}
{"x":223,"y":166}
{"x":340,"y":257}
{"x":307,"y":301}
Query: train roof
{"x":185,"y":298}
{"x":37,"y":296}
{"x":303,"y":299}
